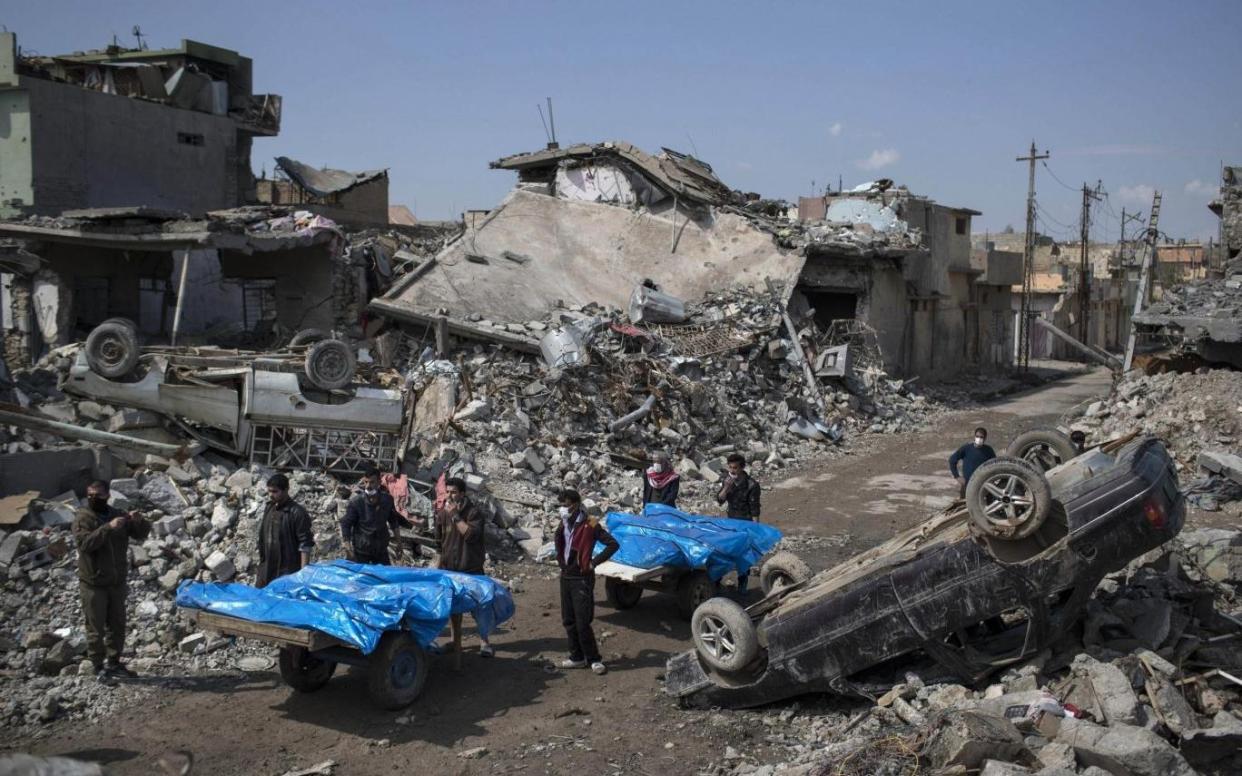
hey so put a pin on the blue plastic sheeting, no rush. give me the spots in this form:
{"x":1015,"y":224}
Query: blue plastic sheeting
{"x":357,"y":602}
{"x":663,"y":536}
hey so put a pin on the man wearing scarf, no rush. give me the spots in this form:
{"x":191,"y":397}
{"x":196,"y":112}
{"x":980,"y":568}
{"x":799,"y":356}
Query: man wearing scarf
{"x":660,"y":482}
{"x":575,"y":547}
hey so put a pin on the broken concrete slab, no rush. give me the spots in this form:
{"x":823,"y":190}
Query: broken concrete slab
{"x":1113,"y":690}
{"x":1002,"y":768}
{"x":220,"y":566}
{"x":1171,"y":707}
{"x":1223,"y":463}
{"x":967,"y":738}
{"x":1122,"y":748}
{"x":161,"y":491}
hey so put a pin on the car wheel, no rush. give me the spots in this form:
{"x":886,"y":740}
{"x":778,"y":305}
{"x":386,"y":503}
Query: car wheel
{"x":307,"y":337}
{"x":693,"y":589}
{"x":1044,"y":448}
{"x":330,"y":364}
{"x":622,"y":595}
{"x":398,"y":671}
{"x":303,"y":671}
{"x":125,"y":322}
{"x":724,"y":635}
{"x":112,"y":350}
{"x":1008,"y":499}
{"x":782,"y":570}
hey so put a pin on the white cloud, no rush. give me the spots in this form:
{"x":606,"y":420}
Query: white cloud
{"x":835,"y":129}
{"x":1197,"y":186}
{"x":879,"y":158}
{"x":1139,"y":194}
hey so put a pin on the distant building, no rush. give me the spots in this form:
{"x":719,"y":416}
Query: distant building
{"x":345,"y":197}
{"x":169,"y":129}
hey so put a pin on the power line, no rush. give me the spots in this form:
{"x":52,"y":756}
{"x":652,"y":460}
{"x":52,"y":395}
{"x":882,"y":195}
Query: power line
{"x":1058,"y":180}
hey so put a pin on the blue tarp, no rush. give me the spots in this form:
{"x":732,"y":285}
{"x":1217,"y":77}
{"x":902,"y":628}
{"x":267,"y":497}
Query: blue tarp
{"x":663,"y":536}
{"x":356,"y":603}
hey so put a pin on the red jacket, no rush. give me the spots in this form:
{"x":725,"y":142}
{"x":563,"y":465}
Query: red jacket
{"x":585,"y":533}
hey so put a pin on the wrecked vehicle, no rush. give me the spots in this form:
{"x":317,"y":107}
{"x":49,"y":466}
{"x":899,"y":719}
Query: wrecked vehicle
{"x":249,"y":404}
{"x":972,"y":589}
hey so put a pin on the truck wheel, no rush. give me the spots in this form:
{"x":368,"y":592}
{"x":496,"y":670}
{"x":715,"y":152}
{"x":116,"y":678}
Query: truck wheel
{"x":1045,"y":448}
{"x":124,"y":322}
{"x":112,"y":350}
{"x":303,"y":671}
{"x":398,"y":671}
{"x":724,"y":636}
{"x":330,"y":364}
{"x":622,"y":595}
{"x":308,"y":337}
{"x":1008,"y":498}
{"x":782,"y":570}
{"x":693,"y":589}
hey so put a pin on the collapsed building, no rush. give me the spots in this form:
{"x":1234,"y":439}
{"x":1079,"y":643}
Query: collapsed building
{"x":345,"y":197}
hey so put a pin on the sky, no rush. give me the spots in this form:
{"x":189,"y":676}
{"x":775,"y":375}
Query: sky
{"x":778,"y":97}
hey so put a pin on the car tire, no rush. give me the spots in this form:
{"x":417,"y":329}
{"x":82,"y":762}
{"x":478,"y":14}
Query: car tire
{"x":398,"y":671}
{"x":303,"y":671}
{"x":125,"y":322}
{"x":112,"y":350}
{"x":781,"y":570}
{"x":1007,"y":498}
{"x":1043,"y":448}
{"x":330,"y":364}
{"x":307,"y":337}
{"x":692,"y":590}
{"x":622,"y":595}
{"x":724,"y":635}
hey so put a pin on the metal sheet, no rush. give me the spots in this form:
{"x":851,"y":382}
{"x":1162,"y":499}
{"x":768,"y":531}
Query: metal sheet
{"x":277,"y":399}
{"x":325,"y":182}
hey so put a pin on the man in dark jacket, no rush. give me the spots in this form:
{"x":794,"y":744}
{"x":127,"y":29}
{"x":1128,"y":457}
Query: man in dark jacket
{"x":575,"y":547}
{"x":286,"y":537}
{"x":739,"y":490}
{"x":368,"y":518}
{"x":459,"y":527}
{"x":970,"y":455}
{"x":102,"y":533}
{"x":660,"y":482}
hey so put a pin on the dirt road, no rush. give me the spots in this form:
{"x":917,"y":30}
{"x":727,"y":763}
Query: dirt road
{"x":530,"y":717}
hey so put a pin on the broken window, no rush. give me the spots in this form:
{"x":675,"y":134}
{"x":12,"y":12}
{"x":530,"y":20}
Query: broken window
{"x":258,"y":301}
{"x":152,"y":304}
{"x":832,"y":306}
{"x":90,"y":295}
{"x":190,"y":138}
{"x":961,"y":225}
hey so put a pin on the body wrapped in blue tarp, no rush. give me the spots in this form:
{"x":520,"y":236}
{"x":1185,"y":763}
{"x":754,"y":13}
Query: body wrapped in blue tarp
{"x":357,"y":602}
{"x":664,"y":536}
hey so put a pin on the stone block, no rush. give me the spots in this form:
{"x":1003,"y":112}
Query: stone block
{"x":239,"y":482}
{"x":192,"y":642}
{"x":223,"y":517}
{"x":129,"y":420}
{"x":1112,"y":688}
{"x":1122,"y":748}
{"x":533,"y":461}
{"x":1002,"y":768}
{"x":168,"y":526}
{"x":220,"y":566}
{"x":967,"y":738}
{"x":161,"y":491}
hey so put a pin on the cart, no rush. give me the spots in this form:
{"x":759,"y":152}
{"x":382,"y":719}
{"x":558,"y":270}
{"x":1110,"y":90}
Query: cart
{"x":397,"y":669}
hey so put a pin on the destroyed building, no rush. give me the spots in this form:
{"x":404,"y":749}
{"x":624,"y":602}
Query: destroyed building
{"x":345,"y":197}
{"x":169,"y":129}
{"x":1228,"y":206}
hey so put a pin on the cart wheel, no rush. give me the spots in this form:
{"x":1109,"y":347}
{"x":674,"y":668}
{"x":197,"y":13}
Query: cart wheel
{"x":1044,"y":448}
{"x":1008,"y":498}
{"x":622,"y":595}
{"x":307,"y":337}
{"x":330,"y":364}
{"x":303,"y":671}
{"x":398,"y":671}
{"x":724,"y":635}
{"x":782,"y":570}
{"x":112,"y":350}
{"x":693,"y":589}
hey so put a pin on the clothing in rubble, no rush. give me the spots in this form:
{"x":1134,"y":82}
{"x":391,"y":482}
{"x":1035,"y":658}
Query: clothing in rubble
{"x":575,"y":543}
{"x":103,"y":565}
{"x":369,"y":526}
{"x":285,"y":533}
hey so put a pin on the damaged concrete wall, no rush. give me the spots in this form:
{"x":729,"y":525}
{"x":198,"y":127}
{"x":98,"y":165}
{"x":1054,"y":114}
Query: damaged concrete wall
{"x":108,"y":283}
{"x":17,"y":322}
{"x":881,"y":298}
{"x":212,"y":304}
{"x":305,"y":282}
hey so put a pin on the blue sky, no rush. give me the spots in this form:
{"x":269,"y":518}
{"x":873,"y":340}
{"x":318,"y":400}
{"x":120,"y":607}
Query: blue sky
{"x":939,"y":96}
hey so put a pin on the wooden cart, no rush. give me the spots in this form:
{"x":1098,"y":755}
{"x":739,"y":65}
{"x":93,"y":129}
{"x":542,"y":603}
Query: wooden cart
{"x":624,"y":585}
{"x":397,"y":668}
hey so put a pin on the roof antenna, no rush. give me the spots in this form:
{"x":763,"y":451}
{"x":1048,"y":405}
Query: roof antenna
{"x":552,"y":123}
{"x":138,"y":34}
{"x":692,"y":145}
{"x":546,"y":135}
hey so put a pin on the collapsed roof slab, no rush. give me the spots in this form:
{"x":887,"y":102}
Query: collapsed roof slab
{"x":535,"y":252}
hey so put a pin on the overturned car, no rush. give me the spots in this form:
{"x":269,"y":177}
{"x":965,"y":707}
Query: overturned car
{"x":973,"y":589}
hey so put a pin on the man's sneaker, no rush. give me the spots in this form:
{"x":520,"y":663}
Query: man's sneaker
{"x":571,"y":663}
{"x":120,"y":670}
{"x":103,"y":677}
{"x":487,"y":651}
{"x":598,"y":668}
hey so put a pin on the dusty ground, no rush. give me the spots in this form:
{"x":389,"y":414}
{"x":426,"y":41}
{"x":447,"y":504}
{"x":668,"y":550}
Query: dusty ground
{"x":530,"y":718}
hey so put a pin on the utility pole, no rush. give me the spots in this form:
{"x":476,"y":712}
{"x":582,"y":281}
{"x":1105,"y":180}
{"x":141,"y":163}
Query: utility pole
{"x":1028,"y":263}
{"x":1084,"y":265}
{"x":1144,"y":286}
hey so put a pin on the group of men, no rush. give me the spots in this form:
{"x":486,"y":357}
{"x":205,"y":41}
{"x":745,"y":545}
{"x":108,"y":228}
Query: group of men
{"x":286,"y":541}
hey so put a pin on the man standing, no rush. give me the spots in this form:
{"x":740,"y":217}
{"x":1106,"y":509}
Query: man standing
{"x":739,"y":491}
{"x":660,"y":482}
{"x":459,"y":527}
{"x":971,"y":455}
{"x":368,"y":518}
{"x":575,"y":547}
{"x":102,"y":534}
{"x":285,"y":534}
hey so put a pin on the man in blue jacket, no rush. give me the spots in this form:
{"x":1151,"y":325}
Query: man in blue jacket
{"x":971,"y":456}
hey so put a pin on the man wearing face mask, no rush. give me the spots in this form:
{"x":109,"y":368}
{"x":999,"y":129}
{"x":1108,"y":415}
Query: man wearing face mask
{"x":459,"y":527}
{"x":102,"y":534}
{"x":970,"y":455}
{"x":660,"y":482}
{"x":286,"y":537}
{"x":368,"y":518}
{"x":575,"y":553}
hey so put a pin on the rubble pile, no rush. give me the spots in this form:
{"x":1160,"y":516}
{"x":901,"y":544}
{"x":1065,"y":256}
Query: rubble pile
{"x":1190,"y":412}
{"x":1206,"y":298}
{"x":1149,"y":685}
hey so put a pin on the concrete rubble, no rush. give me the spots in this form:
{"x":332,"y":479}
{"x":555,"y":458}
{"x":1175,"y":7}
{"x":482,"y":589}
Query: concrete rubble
{"x":1202,"y":317}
